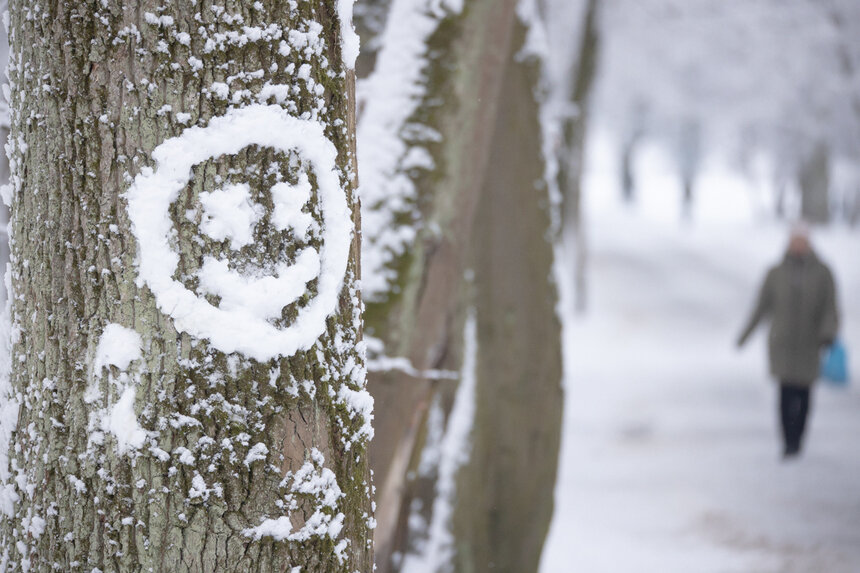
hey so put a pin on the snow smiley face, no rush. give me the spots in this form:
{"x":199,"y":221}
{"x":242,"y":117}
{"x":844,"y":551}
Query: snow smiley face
{"x":249,"y":305}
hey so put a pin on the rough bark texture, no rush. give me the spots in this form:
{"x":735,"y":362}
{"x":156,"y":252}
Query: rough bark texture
{"x":505,"y":492}
{"x":96,"y":87}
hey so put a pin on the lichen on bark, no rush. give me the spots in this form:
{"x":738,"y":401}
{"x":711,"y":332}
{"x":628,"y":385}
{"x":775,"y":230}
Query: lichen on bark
{"x":96,"y":86}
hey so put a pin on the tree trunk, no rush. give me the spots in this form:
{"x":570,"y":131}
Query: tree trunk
{"x":423,"y":318}
{"x":174,"y":414}
{"x":853,"y":211}
{"x":573,"y":156}
{"x":814,"y":180}
{"x":689,"y":160}
{"x":628,"y":181}
{"x":4,"y":161}
{"x":482,"y":193}
{"x":505,"y":492}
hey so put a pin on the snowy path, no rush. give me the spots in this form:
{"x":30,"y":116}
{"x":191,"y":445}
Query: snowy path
{"x":669,"y":457}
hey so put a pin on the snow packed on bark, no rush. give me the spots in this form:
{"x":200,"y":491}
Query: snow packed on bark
{"x":445,"y":452}
{"x":390,"y":143}
{"x":8,"y":410}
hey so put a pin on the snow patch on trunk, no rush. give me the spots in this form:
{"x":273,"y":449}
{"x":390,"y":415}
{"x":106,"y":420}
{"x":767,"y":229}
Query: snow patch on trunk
{"x":229,"y":213}
{"x":117,"y":349}
{"x":8,"y":410}
{"x":121,"y":421}
{"x":389,"y":145}
{"x":314,"y":484}
{"x":451,"y":451}
{"x":349,"y":40}
{"x":118,"y":346}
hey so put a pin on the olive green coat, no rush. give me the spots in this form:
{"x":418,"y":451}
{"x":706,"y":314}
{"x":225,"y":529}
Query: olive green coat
{"x":799,"y":298}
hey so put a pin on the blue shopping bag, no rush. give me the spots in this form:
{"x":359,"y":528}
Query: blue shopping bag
{"x":834,"y":364}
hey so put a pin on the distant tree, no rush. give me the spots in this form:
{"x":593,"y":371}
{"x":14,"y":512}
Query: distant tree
{"x":689,"y":160}
{"x":628,"y":180}
{"x":185,"y":314}
{"x":794,"y":84}
{"x":370,"y":16}
{"x":814,"y":182}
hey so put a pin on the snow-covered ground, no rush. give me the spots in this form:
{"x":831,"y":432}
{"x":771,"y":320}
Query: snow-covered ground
{"x":670,"y":455}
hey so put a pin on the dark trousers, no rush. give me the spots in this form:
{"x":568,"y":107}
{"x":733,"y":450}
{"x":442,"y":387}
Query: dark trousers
{"x":793,"y":410}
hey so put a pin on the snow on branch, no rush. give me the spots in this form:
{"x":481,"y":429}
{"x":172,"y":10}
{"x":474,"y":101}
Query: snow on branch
{"x":377,"y":361}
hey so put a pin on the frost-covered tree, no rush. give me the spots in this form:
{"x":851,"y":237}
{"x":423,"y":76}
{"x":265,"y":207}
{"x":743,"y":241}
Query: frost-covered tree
{"x":186,"y":383}
{"x":785,"y":71}
{"x":813,"y":179}
{"x":505,"y":489}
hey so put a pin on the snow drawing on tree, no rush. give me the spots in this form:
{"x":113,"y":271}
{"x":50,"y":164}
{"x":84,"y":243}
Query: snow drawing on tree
{"x":242,"y":321}
{"x":202,"y":402}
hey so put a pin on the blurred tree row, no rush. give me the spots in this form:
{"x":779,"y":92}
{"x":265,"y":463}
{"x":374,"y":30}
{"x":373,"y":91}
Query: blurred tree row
{"x":770,"y":82}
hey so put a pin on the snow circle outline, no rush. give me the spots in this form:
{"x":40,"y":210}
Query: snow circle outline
{"x":239,"y":329}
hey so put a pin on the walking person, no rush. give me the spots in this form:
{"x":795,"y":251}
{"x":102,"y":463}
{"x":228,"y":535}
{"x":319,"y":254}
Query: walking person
{"x":799,"y":298}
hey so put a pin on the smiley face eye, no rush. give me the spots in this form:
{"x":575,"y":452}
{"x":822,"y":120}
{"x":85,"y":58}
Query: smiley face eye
{"x":230,"y":214}
{"x":288,"y":200}
{"x":242,"y":320}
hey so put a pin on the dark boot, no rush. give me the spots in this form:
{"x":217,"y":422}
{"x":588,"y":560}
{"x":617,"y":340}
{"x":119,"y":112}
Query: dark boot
{"x":793,"y":409}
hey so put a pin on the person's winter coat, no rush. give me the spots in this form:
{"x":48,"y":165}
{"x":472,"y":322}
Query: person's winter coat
{"x":799,"y":297}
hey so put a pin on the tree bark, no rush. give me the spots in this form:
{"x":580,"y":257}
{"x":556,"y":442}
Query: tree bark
{"x":481,"y":193}
{"x":423,"y":320}
{"x":221,"y":439}
{"x":505,"y":491}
